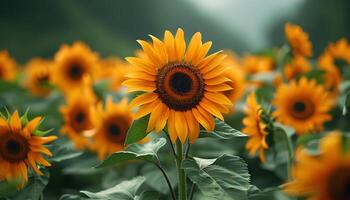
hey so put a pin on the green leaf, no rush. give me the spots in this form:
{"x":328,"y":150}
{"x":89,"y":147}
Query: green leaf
{"x":126,"y":190}
{"x":148,"y":195}
{"x":137,"y":131}
{"x":101,"y":87}
{"x":272,"y":193}
{"x":226,"y":178}
{"x":34,"y":187}
{"x":62,"y":150}
{"x":222,"y":131}
{"x":146,"y":152}
{"x":316,"y":74}
{"x":346,"y":106}
{"x":42,"y":133}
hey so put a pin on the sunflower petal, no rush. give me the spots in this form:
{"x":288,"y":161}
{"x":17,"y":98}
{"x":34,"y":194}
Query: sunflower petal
{"x":181,"y":126}
{"x":141,"y":64}
{"x":193,"y":47}
{"x":150,"y":53}
{"x":169,"y":42}
{"x":193,"y":126}
{"x":163,"y":119}
{"x":155,"y":115}
{"x":143,"y":99}
{"x":15,"y":122}
{"x":217,"y":97}
{"x":211,"y":108}
{"x":180,"y":44}
{"x":171,"y":126}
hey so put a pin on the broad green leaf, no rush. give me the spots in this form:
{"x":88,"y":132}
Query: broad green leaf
{"x":267,"y":194}
{"x":317,"y":75}
{"x":346,"y":106}
{"x":226,"y":178}
{"x":146,"y":152}
{"x":126,"y":190}
{"x":72,"y":197}
{"x":34,"y":188}
{"x":62,"y":150}
{"x":222,"y":131}
{"x":137,"y":130}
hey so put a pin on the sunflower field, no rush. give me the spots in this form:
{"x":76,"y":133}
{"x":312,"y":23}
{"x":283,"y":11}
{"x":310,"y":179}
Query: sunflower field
{"x":178,"y":118}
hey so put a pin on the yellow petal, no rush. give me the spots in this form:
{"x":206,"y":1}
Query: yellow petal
{"x":218,"y":88}
{"x":193,"y":47}
{"x":181,"y":126}
{"x":216,"y":61}
{"x":201,"y":119}
{"x":202,"y":53}
{"x":160,"y":49}
{"x":211,"y":108}
{"x":32,"y":125}
{"x":145,"y":109}
{"x":163,"y":118}
{"x":217,"y":97}
{"x":150,"y":53}
{"x":171,"y":126}
{"x":217,"y":80}
{"x":15,"y":122}
{"x":155,"y":115}
{"x":193,"y":127}
{"x":169,"y":42}
{"x":140,"y":75}
{"x":143,"y":99}
{"x":143,"y":65}
{"x":180,"y":44}
{"x":218,"y":71}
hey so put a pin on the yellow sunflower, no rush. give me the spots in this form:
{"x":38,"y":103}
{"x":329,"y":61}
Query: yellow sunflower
{"x":72,"y":64}
{"x":8,"y":66}
{"x":20,"y":148}
{"x":183,"y":88}
{"x":237,"y":76}
{"x":332,"y":75}
{"x":299,"y":65}
{"x":255,"y":128}
{"x":298,"y":40}
{"x":78,"y":115}
{"x":257,"y":64}
{"x":303,"y":105}
{"x":322,"y":177}
{"x":340,"y":50}
{"x":112,"y":124}
{"x":39,"y":76}
{"x":113,"y":69}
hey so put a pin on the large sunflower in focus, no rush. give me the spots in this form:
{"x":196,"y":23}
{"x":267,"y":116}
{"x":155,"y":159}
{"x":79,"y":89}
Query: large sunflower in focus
{"x":8,"y":67}
{"x":39,"y":76}
{"x":72,"y":64}
{"x":20,"y":148}
{"x":302,"y":105}
{"x":298,"y":40}
{"x":255,"y":128}
{"x":322,"y":177}
{"x":112,"y":124}
{"x":183,"y":87}
{"x":237,"y":76}
{"x":78,"y":117}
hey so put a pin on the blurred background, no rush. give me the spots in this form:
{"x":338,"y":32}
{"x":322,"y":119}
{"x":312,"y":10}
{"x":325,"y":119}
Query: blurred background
{"x":39,"y":27}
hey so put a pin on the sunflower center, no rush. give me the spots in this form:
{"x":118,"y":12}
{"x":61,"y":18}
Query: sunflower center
{"x":43,"y":79}
{"x":116,"y":128}
{"x":299,"y":107}
{"x":302,"y":109}
{"x":13,"y":147}
{"x":75,"y":71}
{"x":180,"y":86}
{"x":79,"y":120}
{"x":80,"y":117}
{"x":339,"y":184}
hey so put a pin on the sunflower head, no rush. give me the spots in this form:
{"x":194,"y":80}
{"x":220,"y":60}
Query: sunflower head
{"x":72,"y":64}
{"x":255,"y":128}
{"x":21,"y":148}
{"x":299,"y":65}
{"x":298,"y":40}
{"x":182,"y":86}
{"x":325,"y":176}
{"x":340,"y":52}
{"x":303,"y":105}
{"x":257,"y":64}
{"x":8,"y":66}
{"x":112,"y":124}
{"x":332,"y":76}
{"x":39,"y":76}
{"x":78,"y":115}
{"x":114,"y":70}
{"x":237,"y":76}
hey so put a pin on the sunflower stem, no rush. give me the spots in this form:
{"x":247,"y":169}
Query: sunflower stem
{"x":167,"y":180}
{"x":290,"y":153}
{"x":180,"y":172}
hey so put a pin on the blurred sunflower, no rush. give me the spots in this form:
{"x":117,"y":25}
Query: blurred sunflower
{"x":255,"y":128}
{"x":20,"y":148}
{"x":299,"y":65}
{"x":182,"y":87}
{"x":78,"y":117}
{"x":72,"y":64}
{"x":302,"y":105}
{"x":8,"y":66}
{"x":38,"y":76}
{"x":114,"y":70}
{"x":257,"y":64}
{"x":112,"y":124}
{"x":298,"y":40}
{"x":237,"y":76}
{"x":322,"y":177}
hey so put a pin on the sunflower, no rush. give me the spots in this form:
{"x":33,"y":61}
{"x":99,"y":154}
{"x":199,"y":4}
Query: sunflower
{"x":298,"y":40}
{"x":255,"y":128}
{"x":72,"y":64}
{"x":296,"y":67}
{"x":7,"y":66}
{"x":302,"y":105}
{"x":113,"y":69}
{"x":112,"y":124}
{"x":183,"y":88}
{"x":39,"y":76}
{"x":332,"y":76}
{"x":20,"y":148}
{"x":78,"y":117}
{"x":257,"y":64}
{"x":237,"y":76}
{"x":322,"y":177}
{"x":340,"y":51}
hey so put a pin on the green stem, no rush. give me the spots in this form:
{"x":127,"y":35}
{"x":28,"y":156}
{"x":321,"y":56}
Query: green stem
{"x":180,"y":171}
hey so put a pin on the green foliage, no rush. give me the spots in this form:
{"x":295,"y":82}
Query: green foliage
{"x":226,"y":177}
{"x":222,"y":131}
{"x":346,"y":106}
{"x":137,"y":131}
